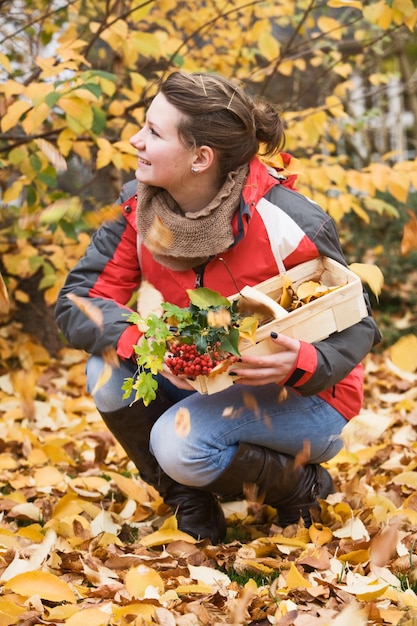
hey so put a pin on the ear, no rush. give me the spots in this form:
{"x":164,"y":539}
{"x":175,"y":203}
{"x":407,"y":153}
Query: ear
{"x":204,"y":158}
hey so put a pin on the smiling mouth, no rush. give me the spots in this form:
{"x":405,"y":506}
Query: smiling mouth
{"x":143,"y":161}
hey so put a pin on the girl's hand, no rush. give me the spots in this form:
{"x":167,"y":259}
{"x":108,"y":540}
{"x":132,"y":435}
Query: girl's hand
{"x":270,"y":368}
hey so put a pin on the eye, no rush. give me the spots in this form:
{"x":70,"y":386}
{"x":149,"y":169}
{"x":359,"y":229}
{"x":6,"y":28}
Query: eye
{"x":153,"y":132}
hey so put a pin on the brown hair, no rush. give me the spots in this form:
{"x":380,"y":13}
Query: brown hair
{"x":218,"y":113}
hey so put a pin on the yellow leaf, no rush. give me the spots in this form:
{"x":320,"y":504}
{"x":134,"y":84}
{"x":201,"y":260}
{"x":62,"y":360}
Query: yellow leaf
{"x":404,"y":353}
{"x":199,"y":588}
{"x":399,"y":185}
{"x":46,"y":585}
{"x":129,"y":487}
{"x":104,"y":378}
{"x":35,"y":118}
{"x":370,"y":274}
{"x":92,"y":617}
{"x":355,"y":557}
{"x":164,"y":536}
{"x":295,"y":579}
{"x":408,"y":478}
{"x":142,"y":609}
{"x":47,"y":476}
{"x":320,"y":535}
{"x":144,"y":582}
{"x":5,"y":62}
{"x":330,"y":26}
{"x":366,"y":593}
{"x":343,"y":4}
{"x":149,"y":301}
{"x":268,"y":46}
{"x":14,"y":112}
{"x":409,"y":238}
{"x":182,"y":422}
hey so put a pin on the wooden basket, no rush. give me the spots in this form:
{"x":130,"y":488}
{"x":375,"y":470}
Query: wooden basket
{"x":332,"y":312}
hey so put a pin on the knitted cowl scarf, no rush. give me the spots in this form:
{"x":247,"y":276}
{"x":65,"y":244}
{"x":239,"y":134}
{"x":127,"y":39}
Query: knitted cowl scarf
{"x":181,"y":241}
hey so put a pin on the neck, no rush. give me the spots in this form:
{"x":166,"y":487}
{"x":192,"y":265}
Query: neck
{"x":194,"y":197}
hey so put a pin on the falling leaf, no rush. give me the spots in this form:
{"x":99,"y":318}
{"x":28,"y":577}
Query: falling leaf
{"x":52,"y":154}
{"x":159,"y":237}
{"x":104,"y":377}
{"x":92,"y":311}
{"x":4,"y":297}
{"x":219,"y":319}
{"x":251,"y":404}
{"x":149,"y":300}
{"x":369,"y":274}
{"x":182,"y":422}
{"x":111,"y":357}
{"x":404,"y":353}
{"x":47,"y":586}
{"x":409,"y":239}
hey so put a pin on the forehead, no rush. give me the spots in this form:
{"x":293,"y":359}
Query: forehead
{"x":163,"y":114}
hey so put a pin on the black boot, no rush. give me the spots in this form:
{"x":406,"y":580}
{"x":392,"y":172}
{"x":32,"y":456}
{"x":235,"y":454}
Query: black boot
{"x":293,"y":492}
{"x":198,"y":512}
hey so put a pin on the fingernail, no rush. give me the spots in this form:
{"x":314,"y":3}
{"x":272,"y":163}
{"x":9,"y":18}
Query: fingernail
{"x":232,"y":374}
{"x":274,"y":335}
{"x":172,"y":329}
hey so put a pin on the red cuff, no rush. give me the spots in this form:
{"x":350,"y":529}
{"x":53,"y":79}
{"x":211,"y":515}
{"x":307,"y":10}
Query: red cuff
{"x":305,"y":366}
{"x":127,"y":340}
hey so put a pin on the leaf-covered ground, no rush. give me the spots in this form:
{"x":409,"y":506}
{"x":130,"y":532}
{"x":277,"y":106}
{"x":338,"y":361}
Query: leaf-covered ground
{"x":84,"y":541}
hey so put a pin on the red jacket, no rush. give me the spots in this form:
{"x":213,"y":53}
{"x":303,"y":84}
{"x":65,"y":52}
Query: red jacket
{"x":275,"y":229}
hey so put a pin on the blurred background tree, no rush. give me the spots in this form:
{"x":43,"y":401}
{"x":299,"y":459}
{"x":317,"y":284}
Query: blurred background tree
{"x":75,"y":78}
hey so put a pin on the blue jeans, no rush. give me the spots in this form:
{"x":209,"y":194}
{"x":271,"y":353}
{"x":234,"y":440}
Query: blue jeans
{"x":219,"y":422}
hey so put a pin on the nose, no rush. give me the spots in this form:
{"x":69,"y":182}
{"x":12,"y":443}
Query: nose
{"x":137,"y":140}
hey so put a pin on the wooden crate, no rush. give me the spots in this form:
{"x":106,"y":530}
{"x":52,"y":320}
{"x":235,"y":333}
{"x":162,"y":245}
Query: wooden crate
{"x":314,"y":321}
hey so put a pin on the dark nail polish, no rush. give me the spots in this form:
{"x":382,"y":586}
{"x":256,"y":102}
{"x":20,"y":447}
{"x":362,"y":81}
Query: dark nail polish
{"x":232,"y":374}
{"x":274,"y":335}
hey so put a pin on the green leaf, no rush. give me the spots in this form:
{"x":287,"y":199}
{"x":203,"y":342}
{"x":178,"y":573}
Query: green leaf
{"x":204,"y":298}
{"x":99,"y":121}
{"x":230,"y":342}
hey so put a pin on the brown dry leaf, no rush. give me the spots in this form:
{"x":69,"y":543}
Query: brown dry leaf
{"x":159,"y":238}
{"x":251,"y":403}
{"x":111,"y":357}
{"x":90,"y":310}
{"x":4,"y":297}
{"x":383,"y":546}
{"x":283,"y":394}
{"x":182,"y":422}
{"x":409,"y":239}
{"x":302,"y":457}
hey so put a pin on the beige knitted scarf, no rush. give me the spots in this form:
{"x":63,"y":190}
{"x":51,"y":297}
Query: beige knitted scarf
{"x":181,"y":240}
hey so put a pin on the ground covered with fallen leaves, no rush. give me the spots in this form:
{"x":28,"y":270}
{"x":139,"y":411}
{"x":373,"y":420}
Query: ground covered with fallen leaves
{"x":85,"y":542}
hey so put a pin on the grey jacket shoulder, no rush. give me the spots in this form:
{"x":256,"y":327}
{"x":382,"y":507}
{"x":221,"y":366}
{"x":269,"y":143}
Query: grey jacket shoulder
{"x":127,"y":191}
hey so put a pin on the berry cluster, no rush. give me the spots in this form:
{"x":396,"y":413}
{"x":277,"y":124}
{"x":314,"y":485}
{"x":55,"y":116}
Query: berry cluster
{"x":185,"y":360}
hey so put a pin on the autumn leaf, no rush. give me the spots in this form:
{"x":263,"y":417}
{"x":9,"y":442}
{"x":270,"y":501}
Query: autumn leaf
{"x":159,"y":238}
{"x":370,"y":274}
{"x":409,"y":238}
{"x":92,"y":311}
{"x":46,"y":585}
{"x":404,"y":353}
{"x":4,"y":297}
{"x":182,"y":423}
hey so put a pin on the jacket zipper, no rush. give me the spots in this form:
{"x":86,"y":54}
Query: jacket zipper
{"x":199,"y":275}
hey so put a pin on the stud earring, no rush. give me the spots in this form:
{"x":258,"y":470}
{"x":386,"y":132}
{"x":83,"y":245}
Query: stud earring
{"x":195,"y":170}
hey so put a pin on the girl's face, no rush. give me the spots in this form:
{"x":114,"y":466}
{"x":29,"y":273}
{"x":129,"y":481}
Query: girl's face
{"x":163,"y":161}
